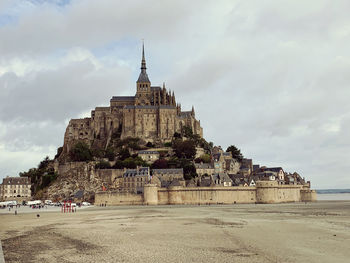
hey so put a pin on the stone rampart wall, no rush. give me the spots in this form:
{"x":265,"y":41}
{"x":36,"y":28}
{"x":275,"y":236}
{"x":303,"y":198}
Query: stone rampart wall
{"x":264,"y":192}
{"x":118,"y":198}
{"x":308,"y":195}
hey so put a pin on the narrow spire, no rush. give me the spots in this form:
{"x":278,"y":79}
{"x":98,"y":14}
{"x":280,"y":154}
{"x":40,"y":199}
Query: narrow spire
{"x":143,"y":61}
{"x":143,"y":77}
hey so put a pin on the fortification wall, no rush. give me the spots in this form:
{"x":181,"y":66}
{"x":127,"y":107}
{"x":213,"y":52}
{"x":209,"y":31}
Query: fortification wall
{"x":264,"y":192}
{"x":307,"y":195}
{"x":118,"y":198}
{"x":210,"y":195}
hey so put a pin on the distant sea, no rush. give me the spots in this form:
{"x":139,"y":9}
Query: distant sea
{"x":333,"y":194}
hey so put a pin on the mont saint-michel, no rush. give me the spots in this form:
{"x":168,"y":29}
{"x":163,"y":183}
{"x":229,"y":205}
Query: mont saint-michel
{"x":152,"y":115}
{"x":146,"y":150}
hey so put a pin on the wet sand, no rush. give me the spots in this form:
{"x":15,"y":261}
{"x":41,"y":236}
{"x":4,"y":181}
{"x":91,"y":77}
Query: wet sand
{"x":313,"y":232}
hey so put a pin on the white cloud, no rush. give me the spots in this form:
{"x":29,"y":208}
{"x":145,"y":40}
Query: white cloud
{"x":271,"y":77}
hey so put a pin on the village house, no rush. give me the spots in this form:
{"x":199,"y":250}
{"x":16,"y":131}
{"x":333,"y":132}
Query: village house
{"x":15,"y":187}
{"x":133,"y":180}
{"x":167,"y":176}
{"x":221,"y":179}
{"x":232,"y":166}
{"x":204,"y":168}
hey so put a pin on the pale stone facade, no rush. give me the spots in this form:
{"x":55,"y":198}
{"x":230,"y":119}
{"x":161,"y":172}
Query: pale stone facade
{"x":13,"y":187}
{"x":134,"y":180}
{"x":152,"y":115}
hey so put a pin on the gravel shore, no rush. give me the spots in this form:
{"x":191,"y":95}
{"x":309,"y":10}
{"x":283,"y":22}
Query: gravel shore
{"x":298,"y":232}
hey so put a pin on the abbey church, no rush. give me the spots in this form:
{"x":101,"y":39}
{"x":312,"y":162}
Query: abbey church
{"x":152,"y":115}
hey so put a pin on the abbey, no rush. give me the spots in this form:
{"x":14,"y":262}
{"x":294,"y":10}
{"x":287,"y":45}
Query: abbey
{"x":152,"y":115}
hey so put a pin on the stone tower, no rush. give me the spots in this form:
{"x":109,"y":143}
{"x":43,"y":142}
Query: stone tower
{"x":143,"y":84}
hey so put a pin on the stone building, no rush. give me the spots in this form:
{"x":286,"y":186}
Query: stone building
{"x":149,"y":156}
{"x":133,"y":180}
{"x":152,"y":115}
{"x":204,"y":168}
{"x":12,"y":187}
{"x":167,"y":176}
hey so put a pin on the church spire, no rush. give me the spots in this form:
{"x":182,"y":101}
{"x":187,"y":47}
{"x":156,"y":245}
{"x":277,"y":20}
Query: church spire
{"x":143,"y":61}
{"x":143,"y":77}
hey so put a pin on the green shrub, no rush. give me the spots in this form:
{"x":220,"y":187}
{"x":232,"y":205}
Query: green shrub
{"x":103,"y":165}
{"x":80,"y":152}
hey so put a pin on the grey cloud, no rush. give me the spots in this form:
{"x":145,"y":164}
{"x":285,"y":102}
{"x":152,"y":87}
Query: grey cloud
{"x":92,"y":24}
{"x":271,"y":77}
{"x":59,"y":94}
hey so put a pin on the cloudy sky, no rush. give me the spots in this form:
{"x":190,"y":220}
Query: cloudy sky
{"x":271,"y":77}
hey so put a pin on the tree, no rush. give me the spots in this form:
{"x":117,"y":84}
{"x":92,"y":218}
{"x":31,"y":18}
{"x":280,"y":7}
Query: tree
{"x":44,"y":163}
{"x":184,"y":149}
{"x":149,"y":145}
{"x":110,"y":154}
{"x":160,"y":164}
{"x":205,"y":158}
{"x":236,"y":153}
{"x":189,"y":169}
{"x":103,"y":165}
{"x":96,"y":152}
{"x":80,"y":152}
{"x":187,"y":131}
{"x":124,"y":154}
{"x":177,"y":135}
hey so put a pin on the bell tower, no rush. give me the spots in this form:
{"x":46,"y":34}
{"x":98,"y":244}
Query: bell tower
{"x":143,"y":84}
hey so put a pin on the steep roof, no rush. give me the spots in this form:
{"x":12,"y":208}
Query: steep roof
{"x":136,"y":172}
{"x":273,"y":169}
{"x":143,"y":77}
{"x":16,"y":181}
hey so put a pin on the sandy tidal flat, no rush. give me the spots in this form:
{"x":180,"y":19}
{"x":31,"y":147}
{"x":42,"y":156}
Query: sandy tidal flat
{"x":313,"y":232}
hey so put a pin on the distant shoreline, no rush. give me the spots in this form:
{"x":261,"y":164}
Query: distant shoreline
{"x":332,"y":191}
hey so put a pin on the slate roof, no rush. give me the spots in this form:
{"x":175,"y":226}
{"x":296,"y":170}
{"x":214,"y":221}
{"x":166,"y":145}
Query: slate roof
{"x":155,"y":88}
{"x":140,"y":107}
{"x":273,"y":169}
{"x":175,"y":183}
{"x":167,"y":107}
{"x":168,"y":171}
{"x":225,"y":178}
{"x":143,"y":77}
{"x":143,"y":171}
{"x":123,"y":98}
{"x":205,"y":182}
{"x":79,"y":194}
{"x":203,"y":166}
{"x":16,"y":181}
{"x":185,"y":113}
